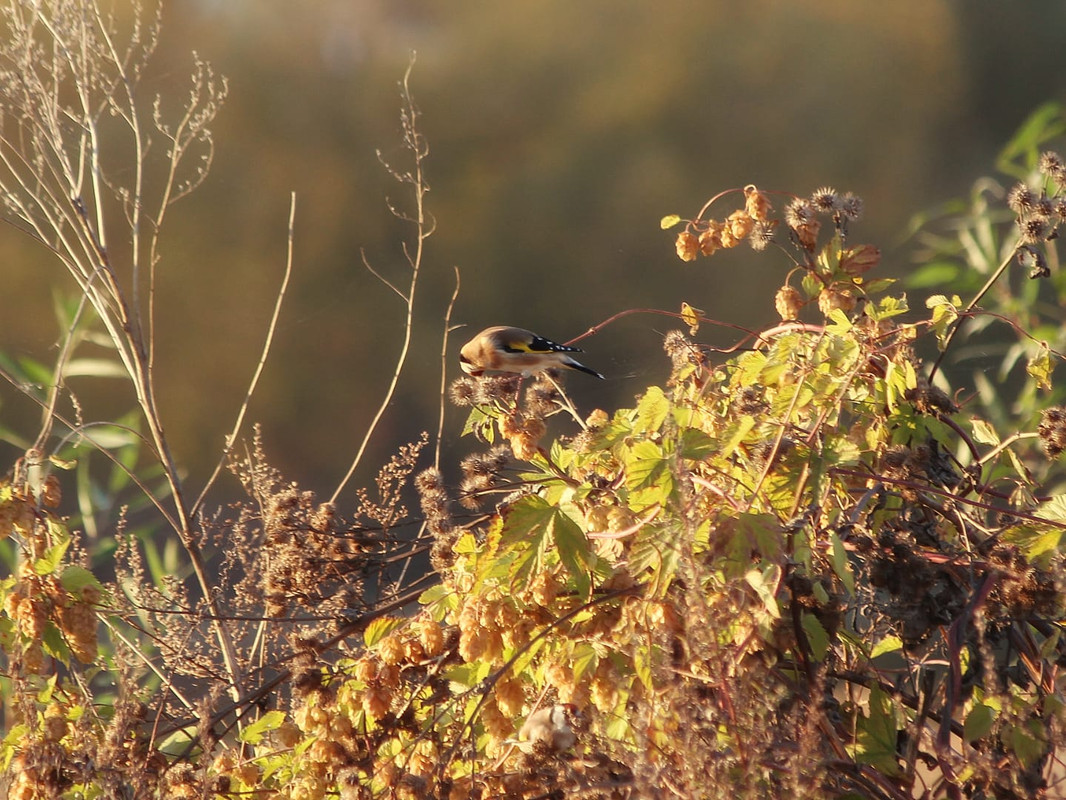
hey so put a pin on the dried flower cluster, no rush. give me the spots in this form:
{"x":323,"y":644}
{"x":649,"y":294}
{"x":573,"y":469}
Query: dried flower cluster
{"x":1039,"y":214}
{"x":835,"y":273}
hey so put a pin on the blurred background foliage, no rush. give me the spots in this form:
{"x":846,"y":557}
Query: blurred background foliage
{"x":560,"y":132}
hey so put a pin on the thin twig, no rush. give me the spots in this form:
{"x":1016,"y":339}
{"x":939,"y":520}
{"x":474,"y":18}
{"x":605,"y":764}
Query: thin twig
{"x":444,"y":369}
{"x":416,"y":145}
{"x":271,"y":330}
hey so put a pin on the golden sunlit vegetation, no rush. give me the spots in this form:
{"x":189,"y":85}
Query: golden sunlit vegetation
{"x":805,"y":565}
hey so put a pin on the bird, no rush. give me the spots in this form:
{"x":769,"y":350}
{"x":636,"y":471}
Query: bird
{"x":505,"y":349}
{"x":552,"y":726}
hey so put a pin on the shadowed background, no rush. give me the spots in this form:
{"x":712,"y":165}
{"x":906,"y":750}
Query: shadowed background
{"x":559,"y":134}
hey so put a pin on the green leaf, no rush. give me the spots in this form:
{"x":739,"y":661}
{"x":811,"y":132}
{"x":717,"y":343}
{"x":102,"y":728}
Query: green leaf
{"x":875,"y":742}
{"x":1019,"y":155}
{"x":739,"y":430}
{"x":647,"y":465}
{"x":380,"y":628}
{"x":642,"y":666}
{"x":1028,"y":741}
{"x":935,"y":273}
{"x":529,"y":524}
{"x":94,"y":368}
{"x":978,"y":722}
{"x":49,"y":562}
{"x":840,"y":325}
{"x":983,"y":432}
{"x":695,"y":444}
{"x":271,"y":720}
{"x":841,"y":566}
{"x":1039,"y":367}
{"x":583,"y":661}
{"x":669,"y":221}
{"x":890,"y":644}
{"x":466,"y":676}
{"x":764,"y":582}
{"x":652,"y":411}
{"x":574,"y":551}
{"x":817,"y":636}
{"x":75,"y":578}
{"x":54,"y":644}
{"x":1053,"y":509}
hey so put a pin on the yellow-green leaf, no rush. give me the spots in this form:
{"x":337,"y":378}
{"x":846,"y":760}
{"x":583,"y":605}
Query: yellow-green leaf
{"x":1039,"y":367}
{"x":669,"y":221}
{"x":652,"y":411}
{"x":691,"y":317}
{"x":271,"y":720}
{"x":380,"y":628}
{"x":983,"y":432}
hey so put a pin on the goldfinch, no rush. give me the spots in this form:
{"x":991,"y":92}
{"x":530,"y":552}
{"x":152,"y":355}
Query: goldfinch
{"x":503,"y":349}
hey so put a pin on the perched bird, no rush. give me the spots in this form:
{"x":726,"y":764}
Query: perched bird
{"x":503,"y":349}
{"x":552,"y":726}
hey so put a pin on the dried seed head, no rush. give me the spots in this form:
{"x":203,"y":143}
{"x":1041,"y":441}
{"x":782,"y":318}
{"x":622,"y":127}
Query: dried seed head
{"x":1034,"y":229}
{"x":463,"y":391}
{"x":799,"y":212}
{"x":1020,"y":198}
{"x":826,"y":200}
{"x":762,"y":234}
{"x":852,"y":207}
{"x":1052,"y":431}
{"x":1052,"y":166}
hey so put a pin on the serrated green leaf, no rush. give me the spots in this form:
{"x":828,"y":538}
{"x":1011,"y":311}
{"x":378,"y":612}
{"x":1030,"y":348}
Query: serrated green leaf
{"x":652,"y":411}
{"x":646,"y":465}
{"x":875,"y":742}
{"x":740,"y":429}
{"x":1028,"y":741}
{"x":839,"y":324}
{"x":583,"y":661}
{"x":466,"y":676}
{"x":1053,"y":509}
{"x":379,"y":628}
{"x":253,"y":734}
{"x":49,"y":562}
{"x":54,"y":644}
{"x":978,"y":722}
{"x":817,"y":636}
{"x":75,"y":578}
{"x":642,"y":665}
{"x":574,"y":551}
{"x":889,"y":644}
